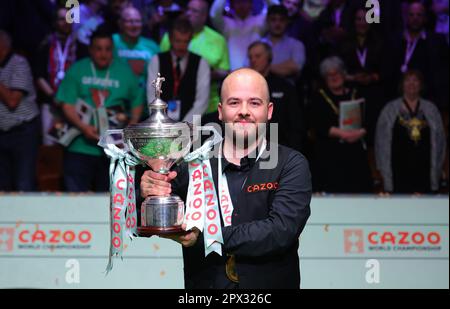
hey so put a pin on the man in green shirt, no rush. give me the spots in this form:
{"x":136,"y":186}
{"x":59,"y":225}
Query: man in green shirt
{"x":131,"y":47}
{"x":208,"y":44}
{"x":107,"y":88}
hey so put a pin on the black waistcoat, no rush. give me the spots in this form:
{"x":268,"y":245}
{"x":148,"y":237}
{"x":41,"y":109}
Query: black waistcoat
{"x":188,"y":84}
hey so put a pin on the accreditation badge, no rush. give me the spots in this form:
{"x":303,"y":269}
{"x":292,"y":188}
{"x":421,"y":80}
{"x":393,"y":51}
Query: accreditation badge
{"x":174,"y":109}
{"x":102,"y":120}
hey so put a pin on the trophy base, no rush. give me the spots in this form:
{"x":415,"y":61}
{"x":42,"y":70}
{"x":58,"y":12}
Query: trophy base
{"x":148,"y":231}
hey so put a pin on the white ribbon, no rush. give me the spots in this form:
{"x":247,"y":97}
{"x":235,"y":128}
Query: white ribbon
{"x":123,"y":214}
{"x":202,"y":205}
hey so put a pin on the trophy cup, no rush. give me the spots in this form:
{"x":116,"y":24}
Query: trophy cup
{"x":160,"y":142}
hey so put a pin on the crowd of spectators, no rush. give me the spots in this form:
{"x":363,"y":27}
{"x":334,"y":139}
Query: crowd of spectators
{"x":64,"y":81}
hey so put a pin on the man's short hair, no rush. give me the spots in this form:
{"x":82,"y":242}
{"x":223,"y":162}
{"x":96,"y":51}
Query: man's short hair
{"x":278,"y":10}
{"x":101,"y":32}
{"x":266,"y":47}
{"x":181,"y":24}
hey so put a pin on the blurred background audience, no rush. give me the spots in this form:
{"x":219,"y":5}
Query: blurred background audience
{"x":59,"y":77}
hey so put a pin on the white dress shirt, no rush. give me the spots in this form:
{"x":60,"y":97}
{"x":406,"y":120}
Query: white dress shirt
{"x":240,"y":33}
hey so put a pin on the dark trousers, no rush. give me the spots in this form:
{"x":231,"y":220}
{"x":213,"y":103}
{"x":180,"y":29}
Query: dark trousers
{"x":18,"y":156}
{"x":84,"y":172}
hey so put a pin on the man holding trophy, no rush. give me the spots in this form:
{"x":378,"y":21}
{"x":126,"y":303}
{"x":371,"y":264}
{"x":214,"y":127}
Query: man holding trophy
{"x":262,"y":191}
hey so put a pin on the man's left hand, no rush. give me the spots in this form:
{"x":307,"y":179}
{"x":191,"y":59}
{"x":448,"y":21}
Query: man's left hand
{"x":187,"y":240}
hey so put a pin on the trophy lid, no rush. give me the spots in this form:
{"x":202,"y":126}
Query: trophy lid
{"x":158,"y":124}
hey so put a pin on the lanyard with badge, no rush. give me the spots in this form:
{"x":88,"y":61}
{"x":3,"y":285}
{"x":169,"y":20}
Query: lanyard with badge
{"x":101,"y":118}
{"x":410,"y":48}
{"x":62,"y":58}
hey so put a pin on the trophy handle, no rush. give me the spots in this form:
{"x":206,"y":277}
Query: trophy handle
{"x":112,"y":137}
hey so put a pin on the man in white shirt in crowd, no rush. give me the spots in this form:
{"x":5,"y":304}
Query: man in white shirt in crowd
{"x":241,"y":29}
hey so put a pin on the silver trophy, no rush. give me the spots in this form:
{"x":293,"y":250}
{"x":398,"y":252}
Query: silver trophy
{"x":160,"y":142}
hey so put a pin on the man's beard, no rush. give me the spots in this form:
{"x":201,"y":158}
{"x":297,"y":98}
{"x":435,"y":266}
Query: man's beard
{"x":245,"y":138}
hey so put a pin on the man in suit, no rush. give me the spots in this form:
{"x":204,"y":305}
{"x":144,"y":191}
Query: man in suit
{"x":270,"y":205}
{"x":187,"y":75}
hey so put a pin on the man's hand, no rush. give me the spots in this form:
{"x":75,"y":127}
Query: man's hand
{"x":187,"y":240}
{"x":90,"y":132}
{"x":156,"y":184}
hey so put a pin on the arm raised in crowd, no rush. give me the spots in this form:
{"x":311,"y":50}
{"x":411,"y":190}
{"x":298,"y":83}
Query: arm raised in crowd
{"x":216,"y":14}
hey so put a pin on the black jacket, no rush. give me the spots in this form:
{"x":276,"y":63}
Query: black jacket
{"x":266,"y":225}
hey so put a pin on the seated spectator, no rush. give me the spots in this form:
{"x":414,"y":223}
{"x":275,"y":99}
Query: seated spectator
{"x":208,"y":44}
{"x":362,"y":52}
{"x":187,"y":75}
{"x":241,"y":29}
{"x":19,"y":121}
{"x":424,"y":51}
{"x":410,"y":141}
{"x":340,"y":157}
{"x":131,"y":47}
{"x":110,"y":90}
{"x":288,"y":53}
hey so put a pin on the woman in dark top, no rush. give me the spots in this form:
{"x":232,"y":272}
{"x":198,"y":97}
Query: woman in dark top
{"x":362,"y":52}
{"x":410,"y":141}
{"x":340,"y":159}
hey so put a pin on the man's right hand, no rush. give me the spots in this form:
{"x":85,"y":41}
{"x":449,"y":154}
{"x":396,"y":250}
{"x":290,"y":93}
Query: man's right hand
{"x":153,"y":183}
{"x":90,"y":132}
